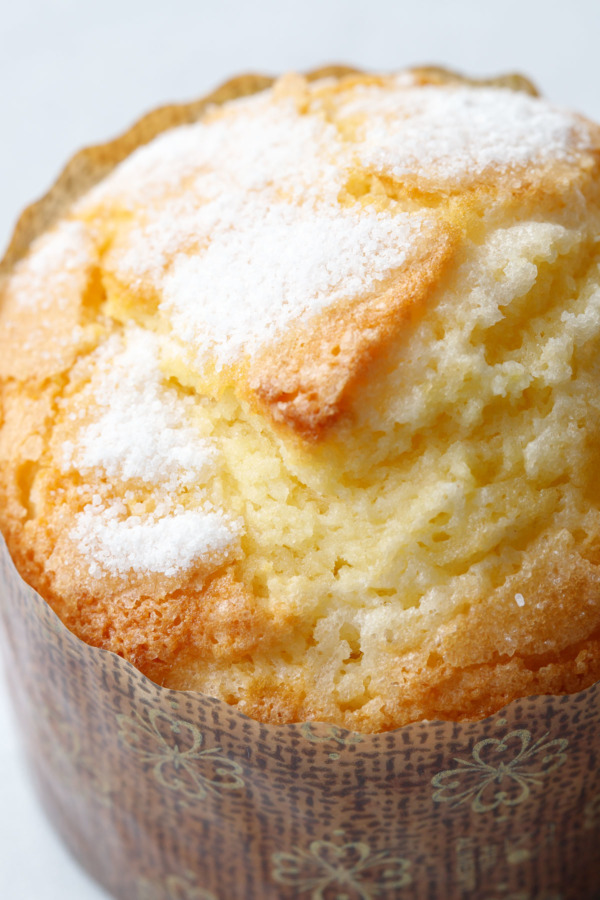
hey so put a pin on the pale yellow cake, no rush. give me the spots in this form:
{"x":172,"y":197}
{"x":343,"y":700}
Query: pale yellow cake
{"x":301,"y":399}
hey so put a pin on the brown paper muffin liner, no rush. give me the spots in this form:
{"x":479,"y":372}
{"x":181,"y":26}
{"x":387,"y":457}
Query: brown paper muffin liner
{"x":171,"y":795}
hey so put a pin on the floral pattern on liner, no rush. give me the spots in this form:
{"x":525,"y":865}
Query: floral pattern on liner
{"x":502,"y":772}
{"x":174,"y":887}
{"x":174,"y":746}
{"x":347,"y":872}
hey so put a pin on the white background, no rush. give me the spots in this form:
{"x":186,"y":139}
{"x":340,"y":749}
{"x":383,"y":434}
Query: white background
{"x":74,"y":72}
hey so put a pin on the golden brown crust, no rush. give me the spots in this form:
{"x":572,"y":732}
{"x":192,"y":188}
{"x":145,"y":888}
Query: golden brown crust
{"x":439,"y":75}
{"x":448,"y":694}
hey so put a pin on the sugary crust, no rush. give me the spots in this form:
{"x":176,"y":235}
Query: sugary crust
{"x":491,"y":653}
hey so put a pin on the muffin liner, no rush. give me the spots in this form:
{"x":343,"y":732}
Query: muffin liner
{"x":172,"y":795}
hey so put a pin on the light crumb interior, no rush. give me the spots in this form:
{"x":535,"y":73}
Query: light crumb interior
{"x":430,"y":550}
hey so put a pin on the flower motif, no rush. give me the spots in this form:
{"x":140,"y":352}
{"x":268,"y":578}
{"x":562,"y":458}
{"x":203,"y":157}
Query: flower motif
{"x":501,"y":772}
{"x":347,"y":872}
{"x":174,"y":887}
{"x":174,"y":747}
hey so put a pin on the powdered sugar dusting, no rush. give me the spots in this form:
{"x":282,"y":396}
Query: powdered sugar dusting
{"x":449,"y":135}
{"x":252,"y":143}
{"x":280,"y":263}
{"x":140,"y":433}
{"x":120,"y":543}
{"x":241,"y":231}
{"x":56,"y":269}
{"x":258,"y":237}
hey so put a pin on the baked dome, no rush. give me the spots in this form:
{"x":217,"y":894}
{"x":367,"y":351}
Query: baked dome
{"x":300,"y":401}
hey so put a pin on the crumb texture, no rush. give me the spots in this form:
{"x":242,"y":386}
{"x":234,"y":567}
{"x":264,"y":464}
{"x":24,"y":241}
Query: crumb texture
{"x":300,"y":403}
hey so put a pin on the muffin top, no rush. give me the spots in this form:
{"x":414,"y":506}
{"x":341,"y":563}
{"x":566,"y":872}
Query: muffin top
{"x":300,"y":405}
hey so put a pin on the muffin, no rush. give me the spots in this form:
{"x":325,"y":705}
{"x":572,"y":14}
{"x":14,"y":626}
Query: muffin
{"x":298,"y":420}
{"x":300,"y":399}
